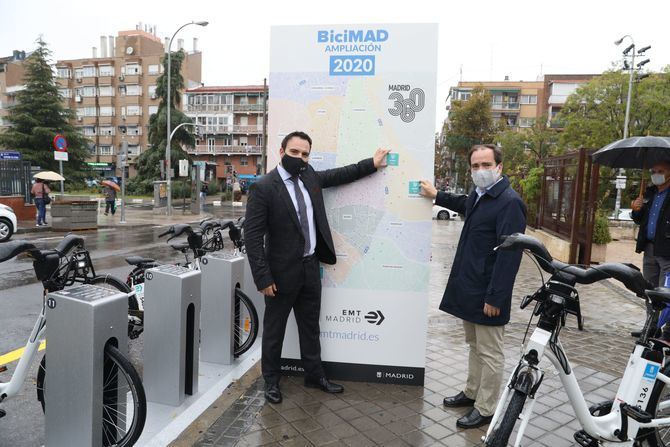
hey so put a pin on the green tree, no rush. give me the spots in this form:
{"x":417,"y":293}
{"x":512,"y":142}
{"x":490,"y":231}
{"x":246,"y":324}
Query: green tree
{"x":594,"y":115}
{"x":39,"y":115}
{"x":148,"y":163}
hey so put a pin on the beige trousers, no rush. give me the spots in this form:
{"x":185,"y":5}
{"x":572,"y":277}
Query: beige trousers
{"x":485,"y":365}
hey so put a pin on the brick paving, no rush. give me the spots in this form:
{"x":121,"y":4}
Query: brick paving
{"x":368,"y":414}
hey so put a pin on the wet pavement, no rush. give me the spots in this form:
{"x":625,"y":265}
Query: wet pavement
{"x":369,"y":414}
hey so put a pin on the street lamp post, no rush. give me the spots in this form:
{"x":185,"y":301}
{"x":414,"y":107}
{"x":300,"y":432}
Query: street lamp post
{"x":168,"y":142}
{"x":169,"y":107}
{"x":628,"y":52}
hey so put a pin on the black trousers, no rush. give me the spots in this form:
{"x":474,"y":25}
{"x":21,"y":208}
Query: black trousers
{"x":305,"y":300}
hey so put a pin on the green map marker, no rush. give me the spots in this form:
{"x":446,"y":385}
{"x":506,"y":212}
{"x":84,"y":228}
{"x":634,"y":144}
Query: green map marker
{"x":414,"y":187}
{"x":392,"y":159}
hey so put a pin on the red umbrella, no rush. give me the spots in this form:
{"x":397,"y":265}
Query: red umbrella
{"x":111,"y":184}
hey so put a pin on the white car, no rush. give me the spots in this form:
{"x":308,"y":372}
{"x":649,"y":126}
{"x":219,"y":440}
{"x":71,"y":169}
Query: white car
{"x":7,"y":222}
{"x":442,"y":213}
{"x":624,"y":214}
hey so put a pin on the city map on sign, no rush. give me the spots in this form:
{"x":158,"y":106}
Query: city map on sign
{"x":380,"y":224}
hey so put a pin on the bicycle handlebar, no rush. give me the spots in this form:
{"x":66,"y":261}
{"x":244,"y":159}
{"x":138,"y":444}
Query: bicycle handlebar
{"x":69,"y":241}
{"x":628,"y":274}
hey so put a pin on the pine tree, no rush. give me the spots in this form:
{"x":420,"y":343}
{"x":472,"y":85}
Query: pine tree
{"x":148,"y":163}
{"x":39,"y":115}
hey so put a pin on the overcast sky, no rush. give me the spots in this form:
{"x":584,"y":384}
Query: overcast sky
{"x":487,"y":39}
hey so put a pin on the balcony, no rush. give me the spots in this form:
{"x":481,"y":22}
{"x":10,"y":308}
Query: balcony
{"x":248,"y":107}
{"x":203,"y":149}
{"x":556,"y":124}
{"x":505,"y":105}
{"x":218,"y":129}
{"x":208,"y":108}
{"x":251,"y":128}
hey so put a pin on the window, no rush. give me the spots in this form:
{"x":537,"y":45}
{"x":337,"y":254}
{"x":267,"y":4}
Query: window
{"x":106,"y":130}
{"x":78,"y":73}
{"x":223,"y":120}
{"x":133,"y":69}
{"x":226,"y":140}
{"x":526,"y":122}
{"x":106,"y":70}
{"x":244,"y":100}
{"x":132,"y":110}
{"x":151,"y":91}
{"x":87,"y":91}
{"x":89,"y":131}
{"x":243,"y":141}
{"x":105,"y":90}
{"x":86,"y":111}
{"x":259,"y":140}
{"x":153,"y":110}
{"x":528,"y":99}
{"x":92,"y":150}
{"x":65,"y":92}
{"x":210,"y":144}
{"x":133,"y":130}
{"x":106,"y":111}
{"x":464,"y":96}
{"x":133,"y":149}
{"x":244,"y":161}
{"x":106,"y":150}
{"x":133,"y":90}
{"x":88,"y":71}
{"x":63,"y":73}
{"x":154,"y":69}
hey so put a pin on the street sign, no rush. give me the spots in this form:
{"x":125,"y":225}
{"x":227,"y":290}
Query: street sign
{"x":60,"y":143}
{"x":60,"y":156}
{"x":183,"y":168}
{"x":621,"y":182}
{"x":10,"y":155}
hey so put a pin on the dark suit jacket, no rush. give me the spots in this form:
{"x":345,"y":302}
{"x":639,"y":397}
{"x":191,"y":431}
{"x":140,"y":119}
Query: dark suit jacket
{"x":662,"y":236}
{"x":272,"y":233}
{"x":480,"y":275}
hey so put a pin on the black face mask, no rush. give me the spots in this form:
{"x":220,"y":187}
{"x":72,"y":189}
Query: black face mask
{"x":293,"y":165}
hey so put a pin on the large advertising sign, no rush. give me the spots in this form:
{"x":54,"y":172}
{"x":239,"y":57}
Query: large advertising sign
{"x":353,"y":89}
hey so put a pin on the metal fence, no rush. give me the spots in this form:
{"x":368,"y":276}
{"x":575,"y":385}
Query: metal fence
{"x":15,"y":178}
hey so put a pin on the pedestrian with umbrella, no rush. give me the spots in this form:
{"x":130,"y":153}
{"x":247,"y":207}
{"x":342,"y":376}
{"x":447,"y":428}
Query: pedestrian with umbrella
{"x":651,"y":209}
{"x":40,"y":192}
{"x":109,"y":190}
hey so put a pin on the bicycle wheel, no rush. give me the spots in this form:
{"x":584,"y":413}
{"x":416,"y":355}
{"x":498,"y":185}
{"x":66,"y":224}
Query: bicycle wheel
{"x":659,"y":436}
{"x":245,"y":325}
{"x":134,"y":324}
{"x":500,"y":435}
{"x":124,"y":404}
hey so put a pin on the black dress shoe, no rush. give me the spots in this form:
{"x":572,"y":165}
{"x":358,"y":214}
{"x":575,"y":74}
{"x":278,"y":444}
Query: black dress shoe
{"x":473,"y":420}
{"x":324,"y":385}
{"x":272,"y":393}
{"x":459,"y":400}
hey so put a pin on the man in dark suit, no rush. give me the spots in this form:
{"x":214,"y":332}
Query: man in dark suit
{"x":287,"y":234}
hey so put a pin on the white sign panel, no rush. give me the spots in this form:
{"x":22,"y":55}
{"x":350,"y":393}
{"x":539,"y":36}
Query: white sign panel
{"x":354,"y":88}
{"x":183,"y":168}
{"x":60,"y":156}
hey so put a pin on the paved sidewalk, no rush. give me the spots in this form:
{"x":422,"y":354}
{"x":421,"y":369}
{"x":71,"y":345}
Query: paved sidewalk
{"x":392,"y":415}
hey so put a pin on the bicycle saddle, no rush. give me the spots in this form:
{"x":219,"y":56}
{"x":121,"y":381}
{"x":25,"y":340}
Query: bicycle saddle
{"x":13,"y":248}
{"x":659,"y":296}
{"x":137,"y":260}
{"x":181,"y":246}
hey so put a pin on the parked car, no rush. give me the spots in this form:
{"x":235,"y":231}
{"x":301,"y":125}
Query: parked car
{"x":624,"y":214}
{"x":7,"y":222}
{"x":442,"y":213}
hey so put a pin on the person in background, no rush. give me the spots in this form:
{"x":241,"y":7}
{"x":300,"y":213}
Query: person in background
{"x":110,"y":199}
{"x":479,"y":290}
{"x":40,"y":191}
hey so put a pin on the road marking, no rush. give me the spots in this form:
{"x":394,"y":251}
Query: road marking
{"x":10,"y":357}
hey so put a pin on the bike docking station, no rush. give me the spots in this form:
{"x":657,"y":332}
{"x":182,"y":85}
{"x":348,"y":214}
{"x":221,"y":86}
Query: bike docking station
{"x":171,"y":333}
{"x":82,"y":320}
{"x":170,"y":291}
{"x":221,"y":274}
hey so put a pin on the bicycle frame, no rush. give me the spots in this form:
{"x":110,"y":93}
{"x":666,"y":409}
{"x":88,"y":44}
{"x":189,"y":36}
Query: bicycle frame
{"x":12,"y":388}
{"x":605,"y":428}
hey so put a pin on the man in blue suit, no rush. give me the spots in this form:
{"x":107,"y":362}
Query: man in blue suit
{"x":479,"y":290}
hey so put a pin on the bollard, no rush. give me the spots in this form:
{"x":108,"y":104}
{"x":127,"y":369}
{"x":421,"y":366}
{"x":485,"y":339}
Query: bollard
{"x":221,"y":272}
{"x":249,"y":287}
{"x":82,"y":320}
{"x":171,"y":333}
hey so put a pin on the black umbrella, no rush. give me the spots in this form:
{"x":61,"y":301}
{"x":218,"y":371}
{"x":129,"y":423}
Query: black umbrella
{"x":634,"y":152}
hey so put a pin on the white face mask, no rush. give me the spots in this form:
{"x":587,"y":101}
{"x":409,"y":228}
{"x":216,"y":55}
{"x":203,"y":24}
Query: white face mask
{"x":657,"y":179}
{"x":485,"y":177}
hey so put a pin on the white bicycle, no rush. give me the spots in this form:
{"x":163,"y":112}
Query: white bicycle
{"x":59,"y":268}
{"x":638,"y":415}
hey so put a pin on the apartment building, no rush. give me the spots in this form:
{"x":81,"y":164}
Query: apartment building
{"x":231,"y":131}
{"x":557,"y":88}
{"x":12,"y":71}
{"x":515,"y":103}
{"x":114,"y":93}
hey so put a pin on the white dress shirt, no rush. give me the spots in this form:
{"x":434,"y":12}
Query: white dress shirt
{"x":286,"y":177}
